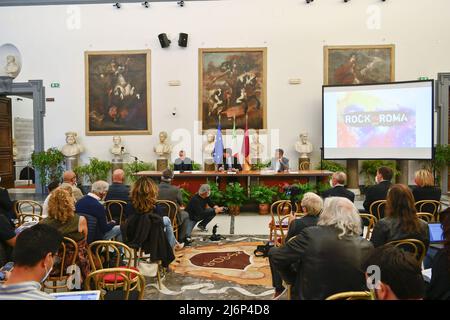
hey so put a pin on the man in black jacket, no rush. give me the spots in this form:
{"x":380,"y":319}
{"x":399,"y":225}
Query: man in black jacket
{"x":338,"y":180}
{"x":118,"y":190}
{"x":230,"y":163}
{"x":380,"y":190}
{"x":201,"y":209}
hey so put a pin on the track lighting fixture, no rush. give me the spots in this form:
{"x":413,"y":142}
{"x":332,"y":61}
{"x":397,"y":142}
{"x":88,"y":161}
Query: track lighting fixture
{"x":117,"y":5}
{"x":309,"y":1}
{"x":181,"y":3}
{"x":146,"y":4}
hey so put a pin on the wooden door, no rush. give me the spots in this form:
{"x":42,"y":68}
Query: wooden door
{"x":6,"y":154}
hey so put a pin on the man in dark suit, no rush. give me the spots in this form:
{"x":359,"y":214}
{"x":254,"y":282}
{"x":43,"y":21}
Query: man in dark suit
{"x":338,"y":180}
{"x":230,"y":163}
{"x":279,"y":162}
{"x":380,"y":190}
{"x":182,"y":163}
{"x":118,"y":190}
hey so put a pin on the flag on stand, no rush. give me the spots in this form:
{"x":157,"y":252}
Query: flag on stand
{"x":234,"y":143}
{"x":246,"y":147}
{"x":218,"y":147}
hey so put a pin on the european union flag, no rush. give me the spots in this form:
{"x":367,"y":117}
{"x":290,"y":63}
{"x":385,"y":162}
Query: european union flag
{"x":218,"y":147}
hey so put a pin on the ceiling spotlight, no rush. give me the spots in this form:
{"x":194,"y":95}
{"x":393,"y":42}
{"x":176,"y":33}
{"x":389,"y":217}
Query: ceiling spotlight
{"x":117,"y":5}
{"x":309,"y":1}
{"x":181,"y":3}
{"x":346,"y":1}
{"x":146,"y":4}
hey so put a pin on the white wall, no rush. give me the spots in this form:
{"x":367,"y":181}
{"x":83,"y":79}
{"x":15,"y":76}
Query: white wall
{"x":293,"y":32}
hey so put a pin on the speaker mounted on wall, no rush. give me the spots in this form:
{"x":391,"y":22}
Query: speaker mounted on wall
{"x":183,"y":40}
{"x":163,"y":40}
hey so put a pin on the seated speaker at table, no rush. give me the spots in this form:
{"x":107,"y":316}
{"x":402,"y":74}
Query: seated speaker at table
{"x":182,"y":163}
{"x":230,"y":162}
{"x":279,"y":162}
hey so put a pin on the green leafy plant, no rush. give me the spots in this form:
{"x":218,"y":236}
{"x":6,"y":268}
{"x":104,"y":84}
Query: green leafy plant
{"x":331,"y":166}
{"x":234,"y":195}
{"x":216,"y":195}
{"x":322,"y":187}
{"x":260,"y":166}
{"x":134,"y":167}
{"x":440,"y":161}
{"x":263,"y":194}
{"x":304,"y":188}
{"x":95,"y":170}
{"x":186,"y":196}
{"x":195,"y":166}
{"x":369,"y":169}
{"x":49,"y":165}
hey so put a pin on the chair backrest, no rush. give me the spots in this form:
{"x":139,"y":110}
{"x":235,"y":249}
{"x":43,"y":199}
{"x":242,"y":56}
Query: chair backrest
{"x":279,"y":210}
{"x":115,"y":209}
{"x":27,"y":207}
{"x":414,"y":246}
{"x":127,"y":280}
{"x":67,"y":256}
{"x":371,"y":222}
{"x":110,"y":254}
{"x":170,"y":209}
{"x":351,"y":295}
{"x":430,"y":206}
{"x":28,"y":217}
{"x":425,"y":216}
{"x":377,"y":209}
{"x":92,"y":226}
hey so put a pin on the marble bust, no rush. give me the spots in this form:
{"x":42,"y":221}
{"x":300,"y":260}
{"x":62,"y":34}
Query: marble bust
{"x":303,"y":146}
{"x":117,"y":149}
{"x":14,"y":149}
{"x":208,"y":147}
{"x":163,"y":149}
{"x":256,"y":148}
{"x":11,"y":68}
{"x":72,"y":148}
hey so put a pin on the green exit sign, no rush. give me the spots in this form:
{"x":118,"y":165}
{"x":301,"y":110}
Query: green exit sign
{"x":423,"y":78}
{"x":55,"y":85}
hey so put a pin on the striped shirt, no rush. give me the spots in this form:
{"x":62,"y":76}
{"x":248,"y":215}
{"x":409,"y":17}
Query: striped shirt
{"x":30,"y":290}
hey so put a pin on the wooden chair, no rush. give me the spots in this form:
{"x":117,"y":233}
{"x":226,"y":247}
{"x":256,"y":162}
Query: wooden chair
{"x":126,"y":281}
{"x":171,"y":209}
{"x":430,"y":206}
{"x":375,"y":208}
{"x":425,"y":216}
{"x":416,"y":247}
{"x":158,"y":271}
{"x":28,"y":217}
{"x":112,"y":254}
{"x":30,"y":208}
{"x":115,"y":206}
{"x":351,"y":295}
{"x":372,"y":221}
{"x":67,"y":254}
{"x":277,"y":210}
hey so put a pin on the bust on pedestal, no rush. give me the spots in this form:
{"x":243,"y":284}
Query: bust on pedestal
{"x":304,"y":147}
{"x":208,"y":150}
{"x":118,"y":151}
{"x":71,"y":150}
{"x":163,"y":149}
{"x":256,"y":150}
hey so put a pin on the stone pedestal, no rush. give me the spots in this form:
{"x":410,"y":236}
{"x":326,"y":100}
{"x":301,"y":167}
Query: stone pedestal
{"x":403,"y":166}
{"x":304,"y":164}
{"x":117,"y":164}
{"x":162,"y":164}
{"x":71,"y":162}
{"x":352,"y":174}
{"x":210,"y":166}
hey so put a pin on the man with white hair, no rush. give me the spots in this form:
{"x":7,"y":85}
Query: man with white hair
{"x":90,"y":205}
{"x":329,"y":256}
{"x":337,"y":182}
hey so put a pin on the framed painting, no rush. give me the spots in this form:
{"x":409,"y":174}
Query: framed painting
{"x":118,"y":92}
{"x":233,"y":85}
{"x":359,"y":64}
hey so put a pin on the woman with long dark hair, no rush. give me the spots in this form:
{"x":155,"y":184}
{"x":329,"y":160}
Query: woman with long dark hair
{"x":401,"y":221}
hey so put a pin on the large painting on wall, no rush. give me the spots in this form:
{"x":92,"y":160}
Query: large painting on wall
{"x":118,"y":92}
{"x":232,"y":84}
{"x":358,"y":64}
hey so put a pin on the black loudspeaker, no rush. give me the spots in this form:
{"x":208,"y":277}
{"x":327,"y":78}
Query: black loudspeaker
{"x":165,"y":42}
{"x":183,"y":40}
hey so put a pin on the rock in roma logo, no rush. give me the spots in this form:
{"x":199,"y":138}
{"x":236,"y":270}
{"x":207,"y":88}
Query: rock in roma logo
{"x":230,"y":260}
{"x":386,"y":118}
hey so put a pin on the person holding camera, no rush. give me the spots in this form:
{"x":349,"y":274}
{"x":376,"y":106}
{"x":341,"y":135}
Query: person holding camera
{"x":201,"y":210}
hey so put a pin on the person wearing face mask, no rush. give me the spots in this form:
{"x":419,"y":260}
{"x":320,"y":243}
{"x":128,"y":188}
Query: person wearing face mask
{"x":380,"y":190}
{"x":337,"y":183}
{"x":90,"y":205}
{"x":33,"y":261}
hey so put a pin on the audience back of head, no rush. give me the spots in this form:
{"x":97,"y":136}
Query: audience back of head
{"x":342,"y":214}
{"x":144,"y":194}
{"x":400,"y":204}
{"x":312,"y":203}
{"x":386,"y":173}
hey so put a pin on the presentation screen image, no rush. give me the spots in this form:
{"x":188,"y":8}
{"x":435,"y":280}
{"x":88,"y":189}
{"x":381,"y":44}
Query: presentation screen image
{"x":383,"y":121}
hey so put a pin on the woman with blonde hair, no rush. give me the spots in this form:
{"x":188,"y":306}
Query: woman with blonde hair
{"x":425,"y":188}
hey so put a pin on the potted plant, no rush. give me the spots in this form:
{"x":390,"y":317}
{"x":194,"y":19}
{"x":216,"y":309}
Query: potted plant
{"x":331,"y":166}
{"x":264,"y":196}
{"x":186,"y":196}
{"x":234,"y":197}
{"x":216,"y":195}
{"x":441,"y":159}
{"x":369,"y":169}
{"x":134,"y":167}
{"x":260,"y":166}
{"x":49,"y":164}
{"x":95,"y":170}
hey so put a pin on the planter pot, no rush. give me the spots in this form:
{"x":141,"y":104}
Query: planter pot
{"x":235,"y":210}
{"x":264,"y":209}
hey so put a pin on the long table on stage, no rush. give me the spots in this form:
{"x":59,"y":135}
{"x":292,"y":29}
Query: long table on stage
{"x":192,"y":180}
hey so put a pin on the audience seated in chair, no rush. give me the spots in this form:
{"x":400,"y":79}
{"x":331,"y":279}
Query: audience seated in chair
{"x":118,"y":190}
{"x":70,"y":178}
{"x":146,"y":230}
{"x":379,"y":191}
{"x":61,"y":215}
{"x":33,"y":261}
{"x":399,"y":276}
{"x":7,"y":239}
{"x":51,"y":186}
{"x":338,"y":180}
{"x":401,"y":221}
{"x":6,"y":205}
{"x":425,"y":188}
{"x":329,"y":256}
{"x":90,"y":204}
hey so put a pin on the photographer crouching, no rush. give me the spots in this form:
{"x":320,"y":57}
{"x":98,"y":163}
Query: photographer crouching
{"x":201,"y":210}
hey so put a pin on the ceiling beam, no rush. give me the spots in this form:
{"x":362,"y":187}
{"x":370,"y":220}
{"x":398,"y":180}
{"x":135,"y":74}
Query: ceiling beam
{"x":10,"y":3}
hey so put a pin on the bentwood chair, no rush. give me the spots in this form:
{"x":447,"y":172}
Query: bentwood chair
{"x":416,"y":247}
{"x":117,"y":284}
{"x":30,"y":208}
{"x":371,"y":222}
{"x":28,"y":217}
{"x":170,"y":209}
{"x":377,"y":209}
{"x":115,"y":209}
{"x":430,"y":206}
{"x":279,"y":210}
{"x":111,"y":254}
{"x":66,"y":256}
{"x":425,"y":216}
{"x":351,"y":295}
